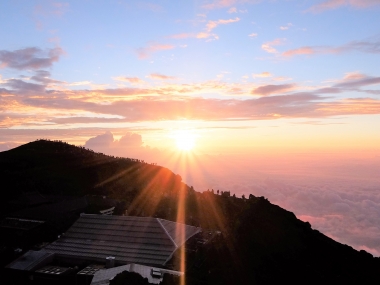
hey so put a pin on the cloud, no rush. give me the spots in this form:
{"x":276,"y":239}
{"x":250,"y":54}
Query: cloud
{"x":100,"y":141}
{"x":213,"y":24}
{"x":43,"y":76}
{"x":159,"y":76}
{"x":286,"y":27}
{"x":269,"y":46}
{"x":79,"y":83}
{"x":147,"y":51}
{"x":131,"y":140}
{"x":253,"y":35}
{"x":106,"y":140}
{"x":29,"y":58}
{"x":362,"y":46}
{"x":262,"y":75}
{"x":220,"y":4}
{"x":300,"y":51}
{"x":132,"y":80}
{"x":23,"y":87}
{"x":204,"y":35}
{"x":334,"y":4}
{"x":357,"y":80}
{"x":129,"y":145}
{"x":54,"y":9}
{"x":273,"y":89}
{"x":217,"y":4}
{"x":337,"y":195}
{"x":366,"y":46}
{"x":7,"y":146}
{"x":181,"y":36}
{"x":232,"y":10}
{"x":172,"y":101}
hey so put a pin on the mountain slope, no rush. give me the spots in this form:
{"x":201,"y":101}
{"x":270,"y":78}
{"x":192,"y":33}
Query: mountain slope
{"x":260,"y":243}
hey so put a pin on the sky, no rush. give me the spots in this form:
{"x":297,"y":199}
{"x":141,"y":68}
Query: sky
{"x":278,"y":98}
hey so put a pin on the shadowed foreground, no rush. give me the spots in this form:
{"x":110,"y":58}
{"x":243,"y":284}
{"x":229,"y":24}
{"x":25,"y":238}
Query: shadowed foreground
{"x":254,"y":241}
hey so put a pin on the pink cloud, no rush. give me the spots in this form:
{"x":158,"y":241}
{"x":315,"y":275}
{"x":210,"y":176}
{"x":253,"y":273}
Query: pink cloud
{"x":146,"y":52}
{"x":364,"y":3}
{"x":220,"y":4}
{"x":181,"y":36}
{"x":54,"y":8}
{"x":262,"y":74}
{"x":158,"y":102}
{"x":269,"y":46}
{"x":132,"y":80}
{"x":213,"y":24}
{"x":334,"y":4}
{"x":217,"y":4}
{"x":204,"y":35}
{"x":357,"y":80}
{"x":273,"y":89}
{"x":365,"y":46}
{"x":161,"y":76}
{"x":299,"y":51}
{"x":232,"y":10}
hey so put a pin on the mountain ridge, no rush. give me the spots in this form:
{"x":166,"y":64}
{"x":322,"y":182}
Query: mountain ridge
{"x":260,"y":243}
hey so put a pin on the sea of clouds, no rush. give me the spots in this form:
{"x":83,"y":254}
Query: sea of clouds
{"x":338,"y":195}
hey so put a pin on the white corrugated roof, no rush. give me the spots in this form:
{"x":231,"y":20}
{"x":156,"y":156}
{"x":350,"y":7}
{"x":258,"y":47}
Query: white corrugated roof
{"x":143,"y":240}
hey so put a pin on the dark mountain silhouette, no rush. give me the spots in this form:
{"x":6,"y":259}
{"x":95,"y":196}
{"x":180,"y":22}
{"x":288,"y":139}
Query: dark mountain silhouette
{"x":253,"y":241}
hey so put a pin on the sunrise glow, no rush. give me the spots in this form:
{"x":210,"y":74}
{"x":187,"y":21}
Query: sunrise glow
{"x":275,"y":98}
{"x":185,"y":140}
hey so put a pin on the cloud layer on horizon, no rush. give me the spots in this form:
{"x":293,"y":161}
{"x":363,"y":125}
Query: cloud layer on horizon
{"x":181,"y":101}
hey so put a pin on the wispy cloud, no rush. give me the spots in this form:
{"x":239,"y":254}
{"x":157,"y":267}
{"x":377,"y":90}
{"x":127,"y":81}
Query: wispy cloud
{"x":286,"y":27}
{"x":217,"y":4}
{"x":79,"y":83}
{"x":301,"y":51}
{"x":29,"y":58}
{"x":334,"y":4}
{"x":269,"y":46}
{"x":159,"y":76}
{"x":365,"y":46}
{"x":146,"y":52}
{"x":25,"y":88}
{"x":211,"y":25}
{"x":131,"y":80}
{"x":117,"y":105}
{"x":253,"y":35}
{"x":43,"y":76}
{"x":220,"y":4}
{"x":357,"y":80}
{"x":51,"y":9}
{"x":232,"y":10}
{"x":262,"y":74}
{"x":181,"y":36}
{"x":207,"y":31}
{"x":266,"y":90}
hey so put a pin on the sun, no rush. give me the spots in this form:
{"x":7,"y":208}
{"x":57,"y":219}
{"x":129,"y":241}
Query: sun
{"x":185,"y":140}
